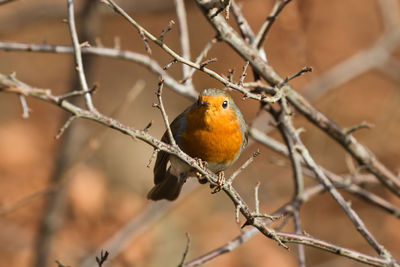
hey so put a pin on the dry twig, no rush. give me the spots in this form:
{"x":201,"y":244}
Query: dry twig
{"x":78,"y":56}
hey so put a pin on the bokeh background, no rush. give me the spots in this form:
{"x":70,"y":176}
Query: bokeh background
{"x":103,"y":174}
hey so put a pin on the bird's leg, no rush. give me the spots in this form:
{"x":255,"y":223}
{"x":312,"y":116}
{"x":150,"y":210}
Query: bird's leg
{"x":199,"y":176}
{"x":220,"y":182}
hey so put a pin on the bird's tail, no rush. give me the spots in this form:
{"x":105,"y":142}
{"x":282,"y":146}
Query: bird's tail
{"x":169,"y":188}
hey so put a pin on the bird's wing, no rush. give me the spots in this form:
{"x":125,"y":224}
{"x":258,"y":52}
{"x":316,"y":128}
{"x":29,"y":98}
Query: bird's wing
{"x":160,"y":167}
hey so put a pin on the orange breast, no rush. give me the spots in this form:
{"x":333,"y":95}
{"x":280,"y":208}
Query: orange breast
{"x":212,"y":135}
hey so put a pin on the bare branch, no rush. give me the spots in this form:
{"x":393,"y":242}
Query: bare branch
{"x":247,"y":234}
{"x":285,"y":118}
{"x":300,"y":72}
{"x":211,"y":73}
{"x":202,"y":55}
{"x":244,"y":166}
{"x":186,"y":250}
{"x":140,"y":59}
{"x":12,"y":87}
{"x":262,"y":33}
{"x":206,"y":62}
{"x":228,"y":6}
{"x":25,"y":108}
{"x":358,"y":223}
{"x":170,"y":64}
{"x":241,"y":79}
{"x":359,"y":63}
{"x":166,"y":30}
{"x":389,"y":14}
{"x":65,"y":126}
{"x":78,"y":93}
{"x":103,"y":257}
{"x":78,"y":56}
{"x":301,"y":255}
{"x":5,"y":209}
{"x":352,"y":188}
{"x":59,"y":264}
{"x":183,"y":35}
{"x":256,"y":199}
{"x":163,"y":113}
{"x":391,"y":67}
{"x":145,"y":41}
{"x":359,"y":152}
{"x":363,"y":125}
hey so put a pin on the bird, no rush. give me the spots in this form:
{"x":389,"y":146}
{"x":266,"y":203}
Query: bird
{"x":212,"y":129}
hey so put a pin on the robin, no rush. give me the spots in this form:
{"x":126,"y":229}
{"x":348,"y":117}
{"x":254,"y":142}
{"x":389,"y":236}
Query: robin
{"x":211,"y":129}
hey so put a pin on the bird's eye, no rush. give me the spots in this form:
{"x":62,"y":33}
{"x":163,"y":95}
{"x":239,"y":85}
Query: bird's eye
{"x":225,"y":104}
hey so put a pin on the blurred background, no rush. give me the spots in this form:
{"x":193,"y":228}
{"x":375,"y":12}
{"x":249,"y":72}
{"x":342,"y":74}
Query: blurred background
{"x":353,"y":47}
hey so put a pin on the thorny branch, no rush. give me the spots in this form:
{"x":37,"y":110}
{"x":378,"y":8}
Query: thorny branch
{"x":350,"y":143}
{"x":11,"y":87}
{"x":247,"y":47}
{"x":247,"y":93}
{"x":286,"y":210}
{"x":8,"y":86}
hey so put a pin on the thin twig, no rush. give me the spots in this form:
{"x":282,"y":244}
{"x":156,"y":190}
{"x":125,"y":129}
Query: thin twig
{"x":78,"y":56}
{"x":78,"y":93}
{"x":244,"y":166}
{"x":297,"y":74}
{"x":363,"y":61}
{"x":145,"y":41}
{"x":228,"y":189}
{"x":83,"y":154}
{"x":102,"y":259}
{"x":152,"y":157}
{"x":140,"y":59}
{"x":148,"y":126}
{"x":199,"y":58}
{"x":352,"y":188}
{"x":25,"y":108}
{"x":170,"y":64}
{"x":227,"y":8}
{"x":356,"y":220}
{"x":284,"y":118}
{"x":256,"y":199}
{"x":243,"y":75}
{"x":139,"y":223}
{"x":247,"y":234}
{"x":230,"y":75}
{"x":166,"y":30}
{"x":65,"y":126}
{"x":237,"y":214}
{"x":363,"y":125}
{"x":183,"y":35}
{"x":5,"y":209}
{"x":163,"y":113}
{"x":186,"y":250}
{"x":301,"y":255}
{"x":59,"y":264}
{"x":359,"y":152}
{"x":206,"y":62}
{"x":211,"y":73}
{"x":262,"y":33}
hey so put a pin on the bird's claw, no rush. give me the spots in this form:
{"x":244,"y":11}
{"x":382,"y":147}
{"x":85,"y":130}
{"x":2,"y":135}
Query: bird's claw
{"x":199,"y":176}
{"x":220,"y":183}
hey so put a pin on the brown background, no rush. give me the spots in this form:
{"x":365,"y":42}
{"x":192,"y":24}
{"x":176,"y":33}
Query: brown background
{"x":107,"y":189}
